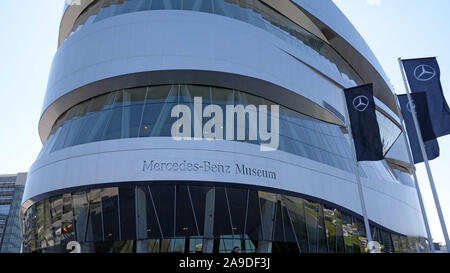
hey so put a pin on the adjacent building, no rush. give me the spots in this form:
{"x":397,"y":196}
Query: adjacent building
{"x":111,"y":178}
{"x":11,"y":191}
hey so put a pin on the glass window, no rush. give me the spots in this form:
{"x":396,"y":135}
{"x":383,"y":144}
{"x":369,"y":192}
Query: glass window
{"x":267,"y":205}
{"x":164,"y":197}
{"x":330,"y":225}
{"x":278,"y":232}
{"x":185,"y":222}
{"x":253,"y":225}
{"x":237,"y":199}
{"x":295,"y":208}
{"x":110,"y":211}
{"x":133,"y":106}
{"x":203,"y":207}
{"x":222,"y":223}
{"x":314,"y":216}
{"x":67,"y":224}
{"x":113,"y":129}
{"x":81,"y":211}
{"x":347,"y":228}
{"x":157,"y":4}
{"x":56,"y":206}
{"x":94,"y":231}
{"x":387,"y":241}
{"x":127,"y":205}
{"x":339,"y":233}
{"x":181,"y":218}
{"x":148,"y":225}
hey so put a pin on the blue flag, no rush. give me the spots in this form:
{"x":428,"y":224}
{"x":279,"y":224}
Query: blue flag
{"x":424,"y":76}
{"x":420,"y":106}
{"x":363,"y":120}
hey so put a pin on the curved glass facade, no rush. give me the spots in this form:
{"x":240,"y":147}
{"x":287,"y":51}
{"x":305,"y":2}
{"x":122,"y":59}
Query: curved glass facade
{"x":146,"y":112}
{"x":254,"y":12}
{"x":180,"y":217}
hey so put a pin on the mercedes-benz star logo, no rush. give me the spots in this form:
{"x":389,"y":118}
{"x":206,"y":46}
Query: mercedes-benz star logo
{"x":410,"y":107}
{"x":424,"y":72}
{"x":360,"y":103}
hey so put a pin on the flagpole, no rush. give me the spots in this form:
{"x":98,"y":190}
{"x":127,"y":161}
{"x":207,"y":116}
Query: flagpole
{"x":425,"y":158}
{"x":358,"y":178}
{"x":416,"y":182}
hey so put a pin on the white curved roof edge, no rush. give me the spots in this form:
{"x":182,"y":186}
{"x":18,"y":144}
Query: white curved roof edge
{"x":327,"y":12}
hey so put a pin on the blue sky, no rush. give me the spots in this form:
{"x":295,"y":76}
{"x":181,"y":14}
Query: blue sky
{"x":392,"y":28}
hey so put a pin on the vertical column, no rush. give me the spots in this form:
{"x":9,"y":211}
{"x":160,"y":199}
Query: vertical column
{"x":141,"y":220}
{"x":208,"y":242}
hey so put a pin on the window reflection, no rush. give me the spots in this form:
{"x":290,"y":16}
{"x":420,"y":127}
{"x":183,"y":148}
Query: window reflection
{"x":162,"y":217}
{"x":146,"y":112}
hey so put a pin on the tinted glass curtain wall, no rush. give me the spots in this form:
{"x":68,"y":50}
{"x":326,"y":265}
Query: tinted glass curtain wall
{"x":173,"y":217}
{"x":146,"y":112}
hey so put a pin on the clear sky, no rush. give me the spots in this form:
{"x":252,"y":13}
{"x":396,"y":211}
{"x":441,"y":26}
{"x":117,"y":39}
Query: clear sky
{"x":392,"y":28}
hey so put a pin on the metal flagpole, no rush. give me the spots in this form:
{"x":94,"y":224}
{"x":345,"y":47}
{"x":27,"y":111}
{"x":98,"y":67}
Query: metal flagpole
{"x":425,"y":158}
{"x":358,"y":178}
{"x":416,"y":182}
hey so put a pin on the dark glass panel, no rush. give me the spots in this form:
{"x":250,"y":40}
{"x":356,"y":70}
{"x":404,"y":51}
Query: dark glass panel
{"x":206,"y":6}
{"x":163,"y":196}
{"x":199,"y":199}
{"x":127,"y":205}
{"x":296,"y":210}
{"x":267,"y":204}
{"x":278,"y":233}
{"x":100,"y":114}
{"x":67,"y":224}
{"x":339,"y":233}
{"x":175,"y":4}
{"x":110,"y":214}
{"x":253,"y":226}
{"x":114,"y":127}
{"x":355,"y":236}
{"x":387,"y":241}
{"x":56,"y":206}
{"x":237,"y":199}
{"x":348,"y":232}
{"x":185,"y":222}
{"x":322,"y":239}
{"x":330,"y":225}
{"x":222,"y":225}
{"x":156,"y":119}
{"x":77,"y":122}
{"x":148,"y":226}
{"x":396,"y":243}
{"x":133,"y":106}
{"x":95,"y":221}
{"x":189,"y":4}
{"x":61,"y":136}
{"x":81,"y":211}
{"x":361,"y":235}
{"x":157,"y":4}
{"x":312,"y":222}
